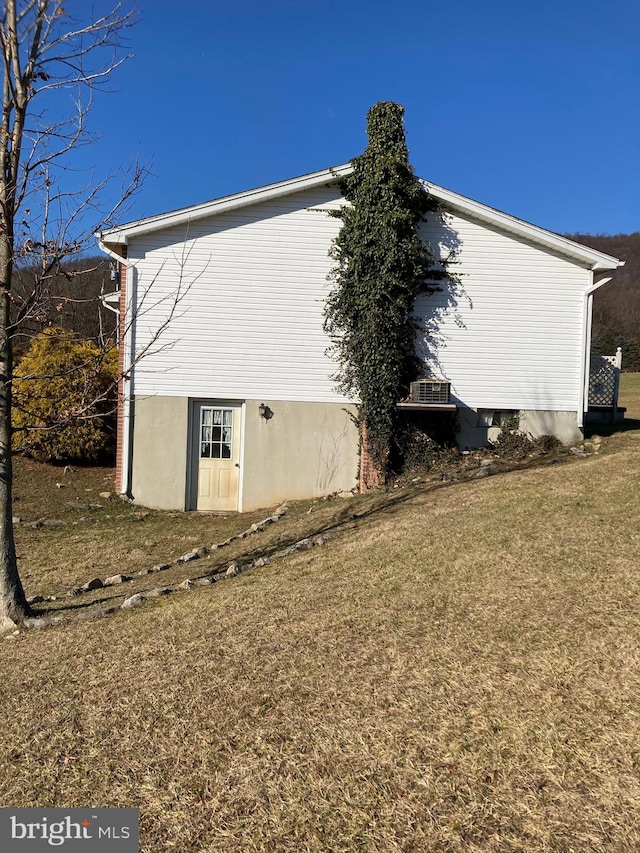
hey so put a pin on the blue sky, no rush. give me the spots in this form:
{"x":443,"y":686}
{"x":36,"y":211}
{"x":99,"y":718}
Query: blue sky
{"x":532,"y":108}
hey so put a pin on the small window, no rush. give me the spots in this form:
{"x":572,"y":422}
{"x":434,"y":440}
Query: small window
{"x":503,"y":417}
{"x":496,"y":417}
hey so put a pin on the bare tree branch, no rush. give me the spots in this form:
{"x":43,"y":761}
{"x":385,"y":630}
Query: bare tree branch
{"x":44,"y":220}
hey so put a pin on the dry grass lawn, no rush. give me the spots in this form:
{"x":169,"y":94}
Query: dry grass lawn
{"x":458,"y":670}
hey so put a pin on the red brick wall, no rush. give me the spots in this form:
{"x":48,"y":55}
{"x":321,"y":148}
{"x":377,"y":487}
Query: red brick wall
{"x":370,"y":475}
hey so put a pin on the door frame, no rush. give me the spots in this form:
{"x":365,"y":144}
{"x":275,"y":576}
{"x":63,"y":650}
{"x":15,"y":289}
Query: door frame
{"x":193,"y":443}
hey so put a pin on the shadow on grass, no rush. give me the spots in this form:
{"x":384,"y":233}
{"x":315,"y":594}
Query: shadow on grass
{"x":348,"y":518}
{"x":607,"y":430}
{"x":69,"y":605}
{"x":351,"y":518}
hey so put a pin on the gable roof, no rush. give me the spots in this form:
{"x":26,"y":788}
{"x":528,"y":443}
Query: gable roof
{"x":450,"y":200}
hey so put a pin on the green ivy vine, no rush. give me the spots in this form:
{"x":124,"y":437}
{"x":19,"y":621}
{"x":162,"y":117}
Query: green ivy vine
{"x":382,"y":264}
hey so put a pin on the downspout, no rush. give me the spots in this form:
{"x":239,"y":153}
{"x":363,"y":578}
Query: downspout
{"x":124,"y":487}
{"x":587,"y":314}
{"x":127,"y":385}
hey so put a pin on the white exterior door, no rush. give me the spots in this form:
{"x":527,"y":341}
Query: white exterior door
{"x":218,"y":451}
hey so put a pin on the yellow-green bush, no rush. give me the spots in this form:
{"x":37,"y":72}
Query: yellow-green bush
{"x":64,"y":399}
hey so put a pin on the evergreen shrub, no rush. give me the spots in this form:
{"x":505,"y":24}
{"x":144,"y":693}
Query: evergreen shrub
{"x":64,"y":399}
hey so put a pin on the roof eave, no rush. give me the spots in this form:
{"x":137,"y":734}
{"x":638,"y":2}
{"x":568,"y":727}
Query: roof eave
{"x":594,"y":259}
{"x":186,"y":215}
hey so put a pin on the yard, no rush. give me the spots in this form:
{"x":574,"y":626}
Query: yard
{"x":456,"y":668}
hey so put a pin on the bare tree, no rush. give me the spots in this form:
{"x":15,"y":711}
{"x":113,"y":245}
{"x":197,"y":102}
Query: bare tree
{"x":42,"y":220}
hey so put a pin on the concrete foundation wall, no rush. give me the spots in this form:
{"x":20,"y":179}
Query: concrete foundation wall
{"x":303,"y":450}
{"x":159,"y":470}
{"x":563,"y":425}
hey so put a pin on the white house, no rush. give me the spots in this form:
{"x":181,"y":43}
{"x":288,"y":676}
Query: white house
{"x":229,"y":401}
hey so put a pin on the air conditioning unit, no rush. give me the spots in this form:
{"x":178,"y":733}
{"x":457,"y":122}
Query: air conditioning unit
{"x":430,"y":391}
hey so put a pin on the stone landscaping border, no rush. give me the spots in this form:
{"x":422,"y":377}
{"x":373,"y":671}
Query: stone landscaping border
{"x":194,"y":554}
{"x":234,"y":569}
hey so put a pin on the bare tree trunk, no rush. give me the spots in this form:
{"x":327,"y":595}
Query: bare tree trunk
{"x":12,"y":598}
{"x":42,"y":50}
{"x":13,"y":603}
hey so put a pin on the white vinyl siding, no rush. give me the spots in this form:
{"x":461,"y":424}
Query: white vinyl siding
{"x":510,"y":335}
{"x":254,"y":281}
{"x":250,"y":323}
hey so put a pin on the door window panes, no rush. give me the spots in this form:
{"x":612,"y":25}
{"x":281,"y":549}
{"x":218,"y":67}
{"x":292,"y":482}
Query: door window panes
{"x":216,"y":433}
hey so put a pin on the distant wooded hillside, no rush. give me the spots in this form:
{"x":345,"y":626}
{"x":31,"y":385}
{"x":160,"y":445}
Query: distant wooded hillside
{"x":68,"y":298}
{"x":616,"y":306}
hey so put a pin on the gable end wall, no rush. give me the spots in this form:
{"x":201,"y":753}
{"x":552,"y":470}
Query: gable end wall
{"x":253,"y":284}
{"x":249,"y":321}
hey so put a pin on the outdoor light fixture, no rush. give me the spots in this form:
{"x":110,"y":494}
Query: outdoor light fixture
{"x":265,"y":411}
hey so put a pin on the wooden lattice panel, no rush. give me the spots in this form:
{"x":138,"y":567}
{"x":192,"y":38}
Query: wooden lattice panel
{"x":603,"y":381}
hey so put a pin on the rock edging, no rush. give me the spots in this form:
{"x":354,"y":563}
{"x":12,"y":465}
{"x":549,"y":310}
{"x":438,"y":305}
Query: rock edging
{"x":194,"y":554}
{"x":234,"y":569}
{"x":34,"y":622}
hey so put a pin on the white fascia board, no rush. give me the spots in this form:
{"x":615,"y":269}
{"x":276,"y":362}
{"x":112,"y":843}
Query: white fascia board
{"x":505,"y":222}
{"x":593,"y":259}
{"x":222,"y":205}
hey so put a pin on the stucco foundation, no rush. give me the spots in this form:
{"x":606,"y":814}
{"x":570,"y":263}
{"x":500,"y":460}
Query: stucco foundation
{"x":562,"y":425}
{"x":303,"y":450}
{"x":159,"y":469}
